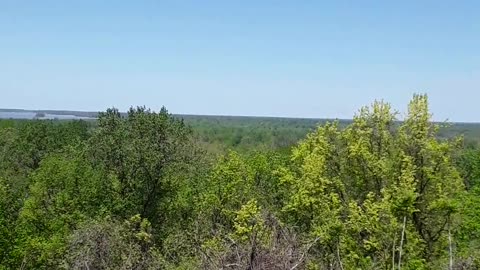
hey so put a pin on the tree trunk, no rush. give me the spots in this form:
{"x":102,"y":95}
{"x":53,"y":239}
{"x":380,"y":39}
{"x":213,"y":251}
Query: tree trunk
{"x":393,"y":251}
{"x":401,"y":243}
{"x":450,"y":249}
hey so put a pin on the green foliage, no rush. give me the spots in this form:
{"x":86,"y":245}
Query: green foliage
{"x":144,"y":152}
{"x":248,"y":221}
{"x":247,"y":134}
{"x":354,"y":186}
{"x":229,"y":186}
{"x":5,"y":221}
{"x":145,"y":190}
{"x":64,"y":191}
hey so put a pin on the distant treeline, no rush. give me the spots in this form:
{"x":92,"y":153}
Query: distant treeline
{"x":244,"y":133}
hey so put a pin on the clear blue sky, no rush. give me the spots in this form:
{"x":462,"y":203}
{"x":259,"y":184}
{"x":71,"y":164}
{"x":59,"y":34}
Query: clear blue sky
{"x":276,"y":58}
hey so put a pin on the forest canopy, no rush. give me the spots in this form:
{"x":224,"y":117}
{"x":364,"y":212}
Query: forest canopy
{"x":150,"y":190}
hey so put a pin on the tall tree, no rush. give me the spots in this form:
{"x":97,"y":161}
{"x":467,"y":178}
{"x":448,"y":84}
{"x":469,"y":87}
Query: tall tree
{"x":362,"y":189}
{"x":146,"y":152}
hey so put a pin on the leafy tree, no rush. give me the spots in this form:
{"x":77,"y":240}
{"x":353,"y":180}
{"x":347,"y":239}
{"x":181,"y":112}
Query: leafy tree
{"x":437,"y":180}
{"x":468,"y":162}
{"x":38,"y":138}
{"x":228,"y":188}
{"x":23,"y":147}
{"x":144,"y":152}
{"x":468,"y":233}
{"x":5,"y":223}
{"x":64,"y":192}
{"x":354,"y":185}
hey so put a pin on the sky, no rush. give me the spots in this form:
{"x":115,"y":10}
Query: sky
{"x":318,"y":59}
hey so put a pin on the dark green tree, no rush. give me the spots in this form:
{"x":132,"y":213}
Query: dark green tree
{"x":148,"y":154}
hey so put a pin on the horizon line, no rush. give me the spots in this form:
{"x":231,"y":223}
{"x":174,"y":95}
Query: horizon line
{"x":212,"y":115}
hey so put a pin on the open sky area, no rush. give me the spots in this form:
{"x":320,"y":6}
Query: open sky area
{"x":263,"y":58}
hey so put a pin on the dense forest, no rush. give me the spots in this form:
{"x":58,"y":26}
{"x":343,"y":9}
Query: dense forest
{"x":152,"y":190}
